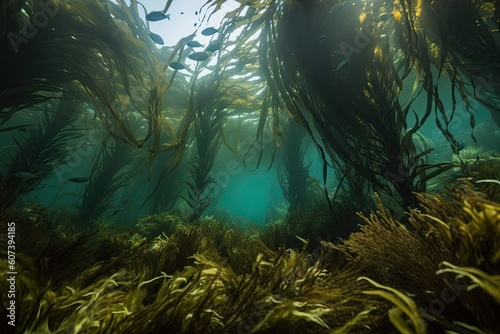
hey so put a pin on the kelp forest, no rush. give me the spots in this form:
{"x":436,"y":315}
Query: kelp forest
{"x":299,"y":166}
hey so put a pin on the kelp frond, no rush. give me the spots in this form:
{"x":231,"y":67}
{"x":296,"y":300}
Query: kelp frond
{"x":38,"y":154}
{"x":404,"y":305}
{"x":489,"y":283}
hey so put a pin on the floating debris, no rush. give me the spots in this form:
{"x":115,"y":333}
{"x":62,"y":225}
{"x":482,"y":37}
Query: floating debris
{"x":209,"y":31}
{"x":199,"y":56}
{"x":157,"y":16}
{"x":176,"y":65}
{"x":156,"y":38}
{"x":194,"y":44}
{"x":212,"y":47}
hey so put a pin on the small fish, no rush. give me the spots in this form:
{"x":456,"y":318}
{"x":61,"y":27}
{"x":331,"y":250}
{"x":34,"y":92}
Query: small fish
{"x":79,"y":179}
{"x":342,"y":64}
{"x":212,"y":47}
{"x":194,"y":44}
{"x":198,"y":56}
{"x":22,"y":129}
{"x":176,"y":65}
{"x":25,"y":175}
{"x":209,"y":31}
{"x":115,"y":212}
{"x":157,"y":16}
{"x":156,"y":38}
{"x":384,"y":17}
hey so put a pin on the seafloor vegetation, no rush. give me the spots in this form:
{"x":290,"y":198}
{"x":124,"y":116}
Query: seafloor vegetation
{"x":110,"y":146}
{"x":439,"y":272}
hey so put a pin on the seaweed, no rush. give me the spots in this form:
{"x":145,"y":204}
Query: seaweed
{"x":110,"y":173}
{"x":293,"y":173}
{"x":442,"y":274}
{"x":36,"y":154}
{"x":433,"y":270}
{"x":209,"y":106}
{"x":95,"y":51}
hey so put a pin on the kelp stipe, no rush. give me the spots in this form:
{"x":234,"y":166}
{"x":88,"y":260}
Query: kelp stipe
{"x":293,"y":171}
{"x":111,"y":171}
{"x":209,"y":103}
{"x":169,"y":186}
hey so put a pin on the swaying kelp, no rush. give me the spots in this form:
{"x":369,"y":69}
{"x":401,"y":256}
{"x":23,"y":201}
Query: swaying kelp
{"x":293,"y":173}
{"x":214,"y":278}
{"x":98,"y":51}
{"x":118,"y":69}
{"x":154,"y":225}
{"x":459,"y":227}
{"x":339,"y":69}
{"x":110,"y":173}
{"x":168,"y":185}
{"x":349,"y":94}
{"x":436,"y":272}
{"x":460,"y":39}
{"x":38,"y":153}
{"x":209,"y":106}
{"x":482,"y":168}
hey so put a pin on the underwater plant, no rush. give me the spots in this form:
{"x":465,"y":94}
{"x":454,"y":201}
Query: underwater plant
{"x":480,"y":165}
{"x":441,"y":275}
{"x":458,"y":227}
{"x":168,"y":185}
{"x":458,"y":37}
{"x":111,"y":171}
{"x":95,"y":51}
{"x":154,"y":225}
{"x":354,"y":105}
{"x":209,"y":106}
{"x":293,"y":173}
{"x":435,"y":271}
{"x":38,"y":150}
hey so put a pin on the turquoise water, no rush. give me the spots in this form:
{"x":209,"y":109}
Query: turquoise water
{"x":244,"y":180}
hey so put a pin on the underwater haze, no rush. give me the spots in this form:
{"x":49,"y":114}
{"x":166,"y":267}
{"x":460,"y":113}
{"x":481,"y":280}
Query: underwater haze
{"x":262,"y":166}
